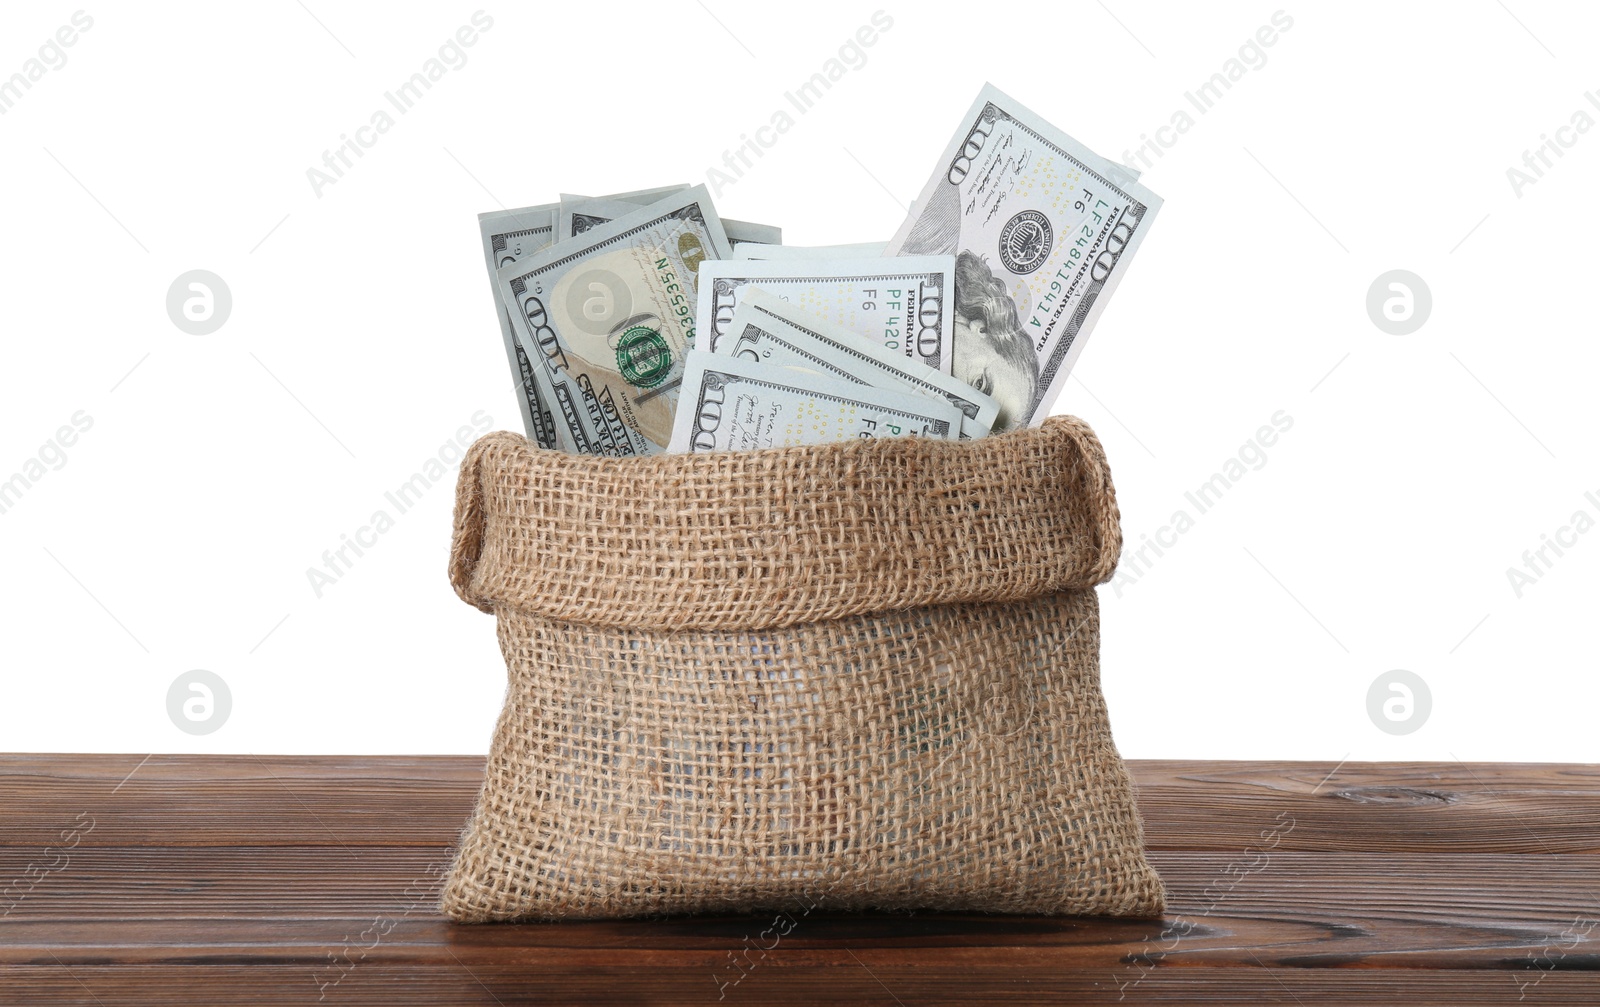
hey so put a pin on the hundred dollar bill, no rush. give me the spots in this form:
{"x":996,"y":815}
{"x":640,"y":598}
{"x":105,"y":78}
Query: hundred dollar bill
{"x":508,"y":235}
{"x":773,"y":331}
{"x":1042,"y":229}
{"x":643,"y":197}
{"x":577,"y":214}
{"x":861,"y":250}
{"x":731,"y":404}
{"x":902,"y":304}
{"x":743,"y":234}
{"x":567,"y":219}
{"x":610,"y":315}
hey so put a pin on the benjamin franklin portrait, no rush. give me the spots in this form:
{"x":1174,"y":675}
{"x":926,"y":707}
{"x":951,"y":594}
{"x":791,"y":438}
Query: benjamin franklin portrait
{"x":992,"y":353}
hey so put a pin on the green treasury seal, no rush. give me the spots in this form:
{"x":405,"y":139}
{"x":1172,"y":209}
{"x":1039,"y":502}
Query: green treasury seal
{"x":643,"y":357}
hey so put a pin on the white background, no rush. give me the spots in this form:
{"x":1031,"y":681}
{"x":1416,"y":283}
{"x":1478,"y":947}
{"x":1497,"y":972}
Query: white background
{"x":1377,"y":536}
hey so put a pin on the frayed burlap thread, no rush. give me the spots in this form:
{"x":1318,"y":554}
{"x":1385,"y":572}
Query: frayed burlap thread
{"x":862,"y":675}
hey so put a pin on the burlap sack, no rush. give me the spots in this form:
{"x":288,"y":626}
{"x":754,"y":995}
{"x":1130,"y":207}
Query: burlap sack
{"x":865,"y":675}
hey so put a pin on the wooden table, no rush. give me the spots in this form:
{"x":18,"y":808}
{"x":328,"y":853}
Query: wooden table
{"x":169,"y":880}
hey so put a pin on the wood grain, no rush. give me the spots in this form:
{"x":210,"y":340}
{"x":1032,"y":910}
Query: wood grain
{"x":1478,"y":911}
{"x":231,"y":800}
{"x":228,"y":800}
{"x":1456,"y":807}
{"x":777,"y":982}
{"x":271,"y":880}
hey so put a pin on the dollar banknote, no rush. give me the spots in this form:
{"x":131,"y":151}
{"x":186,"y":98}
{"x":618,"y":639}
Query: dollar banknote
{"x":577,"y":214}
{"x":744,"y":234}
{"x":731,"y":404}
{"x":643,"y":197}
{"x":772,"y":250}
{"x":904,"y":304}
{"x":767,"y":329}
{"x":569,"y":223}
{"x":508,"y":235}
{"x":610,"y":315}
{"x":1042,"y":230}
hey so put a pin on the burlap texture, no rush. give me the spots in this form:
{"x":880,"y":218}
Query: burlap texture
{"x":862,"y":674}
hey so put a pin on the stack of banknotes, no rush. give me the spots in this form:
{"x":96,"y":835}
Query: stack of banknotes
{"x":642,"y":322}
